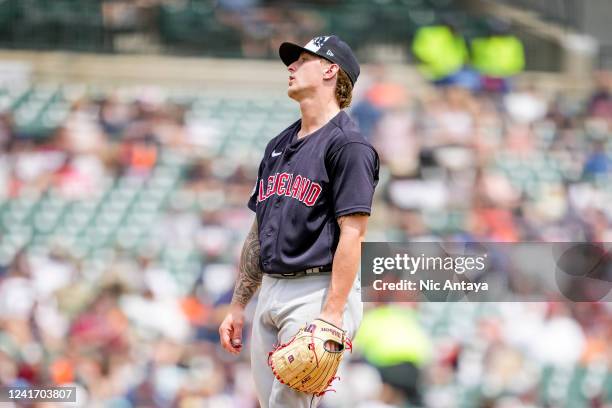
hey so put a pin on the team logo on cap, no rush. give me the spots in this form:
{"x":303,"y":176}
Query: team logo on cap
{"x":316,"y":43}
{"x":319,"y":41}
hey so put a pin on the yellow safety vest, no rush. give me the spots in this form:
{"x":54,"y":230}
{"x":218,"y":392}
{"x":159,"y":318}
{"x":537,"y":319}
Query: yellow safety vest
{"x":391,"y":335}
{"x":440,"y":51}
{"x":498,"y":56}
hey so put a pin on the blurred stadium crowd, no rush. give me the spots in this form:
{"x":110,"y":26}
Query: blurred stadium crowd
{"x":120,"y":232}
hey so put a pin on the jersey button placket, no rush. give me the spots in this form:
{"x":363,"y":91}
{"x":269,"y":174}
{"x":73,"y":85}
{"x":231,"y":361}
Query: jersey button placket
{"x":278,"y":204}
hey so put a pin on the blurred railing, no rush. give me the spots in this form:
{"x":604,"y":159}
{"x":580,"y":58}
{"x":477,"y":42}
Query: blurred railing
{"x":568,"y":13}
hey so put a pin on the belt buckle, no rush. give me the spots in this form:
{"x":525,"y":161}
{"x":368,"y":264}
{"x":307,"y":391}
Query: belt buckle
{"x":312,"y":270}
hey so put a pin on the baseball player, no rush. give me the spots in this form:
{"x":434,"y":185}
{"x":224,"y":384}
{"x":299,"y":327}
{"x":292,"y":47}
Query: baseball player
{"x":312,"y":200}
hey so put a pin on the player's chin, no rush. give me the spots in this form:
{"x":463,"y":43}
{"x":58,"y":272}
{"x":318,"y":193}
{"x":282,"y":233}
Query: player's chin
{"x":293,"y":92}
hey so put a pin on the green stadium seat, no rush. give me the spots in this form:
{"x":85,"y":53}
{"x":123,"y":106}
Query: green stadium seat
{"x":422,"y":16}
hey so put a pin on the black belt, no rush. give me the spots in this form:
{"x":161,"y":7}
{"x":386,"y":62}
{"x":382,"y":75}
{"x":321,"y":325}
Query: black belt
{"x":308,"y":272}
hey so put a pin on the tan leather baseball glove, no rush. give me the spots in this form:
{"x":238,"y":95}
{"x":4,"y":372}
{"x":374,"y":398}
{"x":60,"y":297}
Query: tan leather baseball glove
{"x":307,"y":362}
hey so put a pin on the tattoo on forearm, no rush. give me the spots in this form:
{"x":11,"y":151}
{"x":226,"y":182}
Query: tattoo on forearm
{"x":250,"y":274}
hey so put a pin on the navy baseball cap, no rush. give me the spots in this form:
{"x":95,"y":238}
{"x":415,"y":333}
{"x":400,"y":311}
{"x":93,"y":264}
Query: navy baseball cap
{"x":330,"y":47}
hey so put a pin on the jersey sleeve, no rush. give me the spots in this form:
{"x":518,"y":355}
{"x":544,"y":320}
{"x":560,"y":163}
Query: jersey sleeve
{"x":354,"y":175}
{"x":252,"y":204}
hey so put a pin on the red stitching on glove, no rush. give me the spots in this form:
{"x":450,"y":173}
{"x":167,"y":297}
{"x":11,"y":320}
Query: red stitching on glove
{"x":313,"y":347}
{"x":349,"y":344}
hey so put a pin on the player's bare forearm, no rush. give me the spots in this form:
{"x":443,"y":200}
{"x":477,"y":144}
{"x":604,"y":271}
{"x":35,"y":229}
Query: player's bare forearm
{"x":250,"y":273}
{"x":345,"y":265}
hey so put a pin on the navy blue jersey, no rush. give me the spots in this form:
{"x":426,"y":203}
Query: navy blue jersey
{"x":304,"y":185}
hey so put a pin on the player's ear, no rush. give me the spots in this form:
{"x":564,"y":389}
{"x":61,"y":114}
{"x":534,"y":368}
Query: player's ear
{"x":330,"y":70}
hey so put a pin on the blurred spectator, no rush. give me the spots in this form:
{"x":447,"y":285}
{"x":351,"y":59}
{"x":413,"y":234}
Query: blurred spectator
{"x":441,"y":50}
{"x":391,"y":340}
{"x":598,"y":163}
{"x":600,"y":105}
{"x":525,"y":106}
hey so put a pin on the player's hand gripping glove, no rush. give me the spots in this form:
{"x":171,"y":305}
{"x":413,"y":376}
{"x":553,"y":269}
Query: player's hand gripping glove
{"x":306,"y":363}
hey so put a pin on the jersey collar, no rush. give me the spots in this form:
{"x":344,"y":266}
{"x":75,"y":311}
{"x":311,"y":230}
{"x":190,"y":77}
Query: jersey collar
{"x":294,"y":140}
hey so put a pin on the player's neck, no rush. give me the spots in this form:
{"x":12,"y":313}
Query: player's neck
{"x":315,"y":114}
